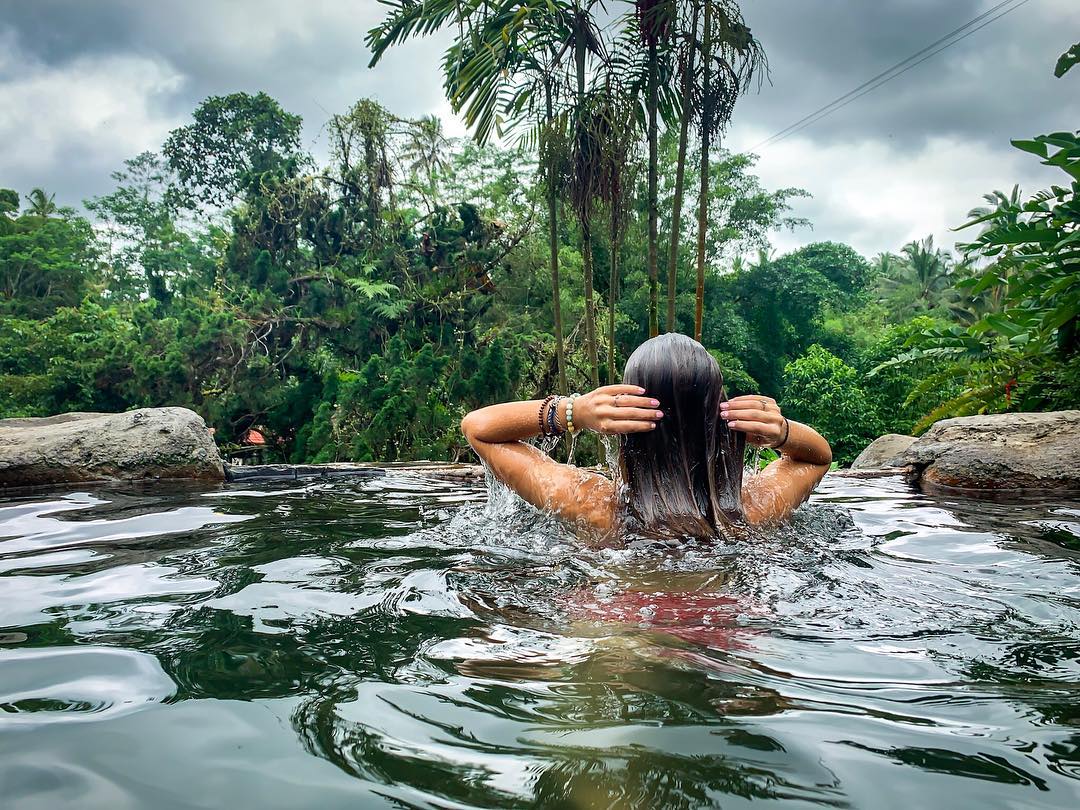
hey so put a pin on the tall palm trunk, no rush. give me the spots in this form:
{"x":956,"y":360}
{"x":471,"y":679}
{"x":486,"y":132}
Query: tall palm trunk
{"x":553,"y":247}
{"x":613,"y":282}
{"x":703,"y":191}
{"x":680,"y":170}
{"x":590,"y":309}
{"x":585,"y":209}
{"x":654,"y":303}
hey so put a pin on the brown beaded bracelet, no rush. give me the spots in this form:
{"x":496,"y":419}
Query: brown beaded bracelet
{"x":540,"y":415}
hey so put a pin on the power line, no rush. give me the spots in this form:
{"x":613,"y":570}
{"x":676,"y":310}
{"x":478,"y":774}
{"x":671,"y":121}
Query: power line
{"x":899,"y":64}
{"x":818,"y":117}
{"x":888,"y":75}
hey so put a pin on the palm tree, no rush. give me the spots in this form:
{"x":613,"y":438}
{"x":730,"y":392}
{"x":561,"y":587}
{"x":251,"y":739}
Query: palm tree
{"x":505,"y":66}
{"x":425,"y":148}
{"x":885,"y":265}
{"x":654,"y":19}
{"x":929,"y":267}
{"x":966,"y":305}
{"x":587,"y":161}
{"x":1001,"y":208}
{"x":1001,"y":211}
{"x":616,"y":171}
{"x":922,"y":275}
{"x":687,"y":59}
{"x":41,"y":203}
{"x":731,"y":60}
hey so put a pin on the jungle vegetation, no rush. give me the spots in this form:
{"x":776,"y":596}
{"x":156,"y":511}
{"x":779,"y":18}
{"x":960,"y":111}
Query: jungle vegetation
{"x":354,"y":307}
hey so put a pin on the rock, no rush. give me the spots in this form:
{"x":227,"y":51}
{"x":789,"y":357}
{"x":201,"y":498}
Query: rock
{"x":881,"y":452}
{"x":1005,"y":451}
{"x":147,"y":443}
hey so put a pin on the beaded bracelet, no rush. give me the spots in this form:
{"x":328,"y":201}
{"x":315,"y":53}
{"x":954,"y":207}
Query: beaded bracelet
{"x":540,"y":415}
{"x":553,"y":423}
{"x":570,"y":414}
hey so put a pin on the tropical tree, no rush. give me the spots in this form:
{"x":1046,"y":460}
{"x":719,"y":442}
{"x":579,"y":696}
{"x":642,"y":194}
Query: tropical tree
{"x":654,"y":23}
{"x":231,"y":143}
{"x":508,"y":62}
{"x":686,"y":58}
{"x":149,"y":255}
{"x":920,"y":280}
{"x":731,"y":60}
{"x":1022,"y":353}
{"x":45,"y":263}
{"x":41,"y":204}
{"x":425,"y":152}
{"x":617,"y":170}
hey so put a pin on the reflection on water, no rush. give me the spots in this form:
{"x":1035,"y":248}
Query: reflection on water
{"x":404,"y":642}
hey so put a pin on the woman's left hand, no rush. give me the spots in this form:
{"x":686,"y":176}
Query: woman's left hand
{"x":759,"y":417}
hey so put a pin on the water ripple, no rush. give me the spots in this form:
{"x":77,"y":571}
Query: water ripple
{"x":407,"y":642}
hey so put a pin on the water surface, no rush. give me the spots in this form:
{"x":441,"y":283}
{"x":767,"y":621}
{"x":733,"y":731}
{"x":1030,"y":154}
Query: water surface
{"x":402,"y":642}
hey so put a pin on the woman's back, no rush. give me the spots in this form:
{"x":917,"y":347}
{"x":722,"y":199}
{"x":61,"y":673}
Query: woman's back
{"x":681,"y":444}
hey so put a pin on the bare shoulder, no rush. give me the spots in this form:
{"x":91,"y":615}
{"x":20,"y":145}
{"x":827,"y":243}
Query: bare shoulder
{"x":774,"y":493}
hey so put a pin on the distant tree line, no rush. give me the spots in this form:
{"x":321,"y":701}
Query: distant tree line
{"x":357,"y":307}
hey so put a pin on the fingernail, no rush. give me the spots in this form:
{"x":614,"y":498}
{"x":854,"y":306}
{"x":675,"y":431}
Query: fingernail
{"x":641,"y":390}
{"x":659,"y":414}
{"x":723,"y":408}
{"x":654,"y":402}
{"x":652,"y":426}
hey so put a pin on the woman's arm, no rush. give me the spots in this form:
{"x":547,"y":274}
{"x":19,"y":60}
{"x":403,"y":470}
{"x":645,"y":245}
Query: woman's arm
{"x":496,"y":433}
{"x":781,"y":487}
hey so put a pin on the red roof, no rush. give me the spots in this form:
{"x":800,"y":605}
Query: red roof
{"x":254,"y":437}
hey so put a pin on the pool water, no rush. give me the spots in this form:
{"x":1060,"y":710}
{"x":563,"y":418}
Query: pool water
{"x":406,"y":642}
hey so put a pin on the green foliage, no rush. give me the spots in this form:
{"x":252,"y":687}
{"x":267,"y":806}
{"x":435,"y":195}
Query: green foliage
{"x":849,"y":272}
{"x":357,"y":310}
{"x":48,"y":258}
{"x":916,"y":282}
{"x":737,"y":381}
{"x":1018,"y":354}
{"x":1067,"y":60}
{"x":233,"y":140}
{"x":824,"y":391}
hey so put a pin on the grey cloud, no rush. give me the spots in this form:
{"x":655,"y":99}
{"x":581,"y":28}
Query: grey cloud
{"x":310,"y":56}
{"x":993,"y":86}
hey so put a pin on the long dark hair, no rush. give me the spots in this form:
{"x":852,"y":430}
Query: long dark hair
{"x":683,"y":479}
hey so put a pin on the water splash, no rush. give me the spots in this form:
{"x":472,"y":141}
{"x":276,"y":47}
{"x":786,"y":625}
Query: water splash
{"x":753,"y":466}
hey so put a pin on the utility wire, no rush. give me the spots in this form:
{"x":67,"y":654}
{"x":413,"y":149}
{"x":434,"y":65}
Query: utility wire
{"x":884,"y":73}
{"x":888,"y":75}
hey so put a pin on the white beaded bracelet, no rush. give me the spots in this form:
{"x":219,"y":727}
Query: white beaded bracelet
{"x":570,"y":414}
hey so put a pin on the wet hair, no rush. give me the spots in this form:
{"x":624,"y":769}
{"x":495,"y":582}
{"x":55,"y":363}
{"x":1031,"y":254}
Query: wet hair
{"x":684,"y":478}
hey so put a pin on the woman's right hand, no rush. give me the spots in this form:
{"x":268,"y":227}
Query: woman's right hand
{"x":615,"y":409}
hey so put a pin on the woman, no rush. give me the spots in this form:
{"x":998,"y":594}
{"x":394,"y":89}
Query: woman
{"x":681,"y":445}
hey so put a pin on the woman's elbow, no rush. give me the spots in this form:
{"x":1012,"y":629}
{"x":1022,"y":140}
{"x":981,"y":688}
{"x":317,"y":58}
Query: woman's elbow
{"x":470,"y":424}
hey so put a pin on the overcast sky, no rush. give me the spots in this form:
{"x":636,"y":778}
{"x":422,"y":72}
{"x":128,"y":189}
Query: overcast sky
{"x":84,"y":85}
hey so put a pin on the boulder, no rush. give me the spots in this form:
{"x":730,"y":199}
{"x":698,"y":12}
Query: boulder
{"x":882,"y":452}
{"x":1005,"y":451}
{"x":148,"y":443}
